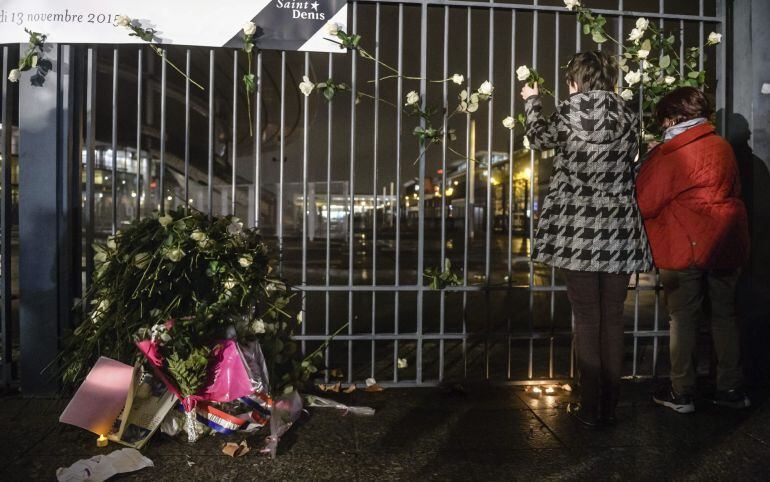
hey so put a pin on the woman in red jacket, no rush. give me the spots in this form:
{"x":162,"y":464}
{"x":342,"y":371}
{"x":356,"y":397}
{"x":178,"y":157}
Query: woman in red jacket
{"x":688,"y":192}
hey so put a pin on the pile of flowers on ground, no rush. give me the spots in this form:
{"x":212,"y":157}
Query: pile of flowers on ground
{"x":183,"y":287}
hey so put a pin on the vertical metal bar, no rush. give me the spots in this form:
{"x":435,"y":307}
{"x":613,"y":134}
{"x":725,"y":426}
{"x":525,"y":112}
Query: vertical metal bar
{"x":281,"y":159}
{"x":681,"y":48}
{"x":139,"y":133}
{"x":257,"y":139}
{"x":351,"y":190}
{"x":187,"y":132}
{"x":490,"y":207}
{"x":470,"y":156}
{"x":656,"y":326}
{"x":114,"y":145}
{"x":636,"y":322}
{"x":511,"y":151}
{"x":210,"y":181}
{"x":552,"y":294}
{"x":443,"y":191}
{"x":90,"y":160}
{"x":399,"y":95}
{"x":305,"y":127}
{"x":700,"y":36}
{"x":619,"y":51}
{"x":721,"y":97}
{"x":421,"y":181}
{"x":531,"y":188}
{"x":6,"y":223}
{"x":234,"y":135}
{"x":327,"y":273}
{"x":374,"y":177}
{"x":162,"y":182}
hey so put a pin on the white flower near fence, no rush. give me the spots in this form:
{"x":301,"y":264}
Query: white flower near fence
{"x":714,"y":38}
{"x":522,"y":73}
{"x":306,"y":87}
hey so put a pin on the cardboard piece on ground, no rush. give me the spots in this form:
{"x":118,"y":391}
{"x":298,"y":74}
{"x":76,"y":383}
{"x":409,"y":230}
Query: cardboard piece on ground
{"x":236,"y":450}
{"x":100,"y":398}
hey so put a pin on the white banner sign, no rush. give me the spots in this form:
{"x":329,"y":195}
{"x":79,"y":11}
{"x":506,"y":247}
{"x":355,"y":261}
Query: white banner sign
{"x":281,"y":24}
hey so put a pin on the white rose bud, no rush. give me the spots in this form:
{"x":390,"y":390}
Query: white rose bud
{"x":642,"y":54}
{"x":141,"y":260}
{"x":175,"y":255}
{"x":522,"y":73}
{"x":633,"y":77}
{"x":509,"y":122}
{"x":402,"y":363}
{"x":165,"y":220}
{"x":458,"y":79}
{"x":249,"y":28}
{"x":669,"y":80}
{"x":306,"y":87}
{"x":123,"y":21}
{"x":635,"y":35}
{"x":258,"y":327}
{"x":412,"y":98}
{"x":229,"y":284}
{"x":486,"y":88}
{"x":714,"y":38}
{"x":571,"y":4}
{"x":198,"y":235}
{"x":332,"y":28}
{"x":525,"y":142}
{"x":642,"y":23}
{"x":627,"y":94}
{"x":245,"y":261}
{"x":14,"y":75}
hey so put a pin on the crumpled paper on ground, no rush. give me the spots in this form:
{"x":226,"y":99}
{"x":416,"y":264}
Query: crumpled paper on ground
{"x":102,"y":467}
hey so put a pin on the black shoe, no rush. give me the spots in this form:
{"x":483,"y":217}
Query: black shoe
{"x":678,"y":403}
{"x":731,"y":398}
{"x":577,"y":412}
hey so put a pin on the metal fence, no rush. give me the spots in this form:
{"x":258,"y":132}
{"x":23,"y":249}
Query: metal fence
{"x":354,"y":206}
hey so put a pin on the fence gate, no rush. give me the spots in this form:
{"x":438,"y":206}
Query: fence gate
{"x":354,"y":207}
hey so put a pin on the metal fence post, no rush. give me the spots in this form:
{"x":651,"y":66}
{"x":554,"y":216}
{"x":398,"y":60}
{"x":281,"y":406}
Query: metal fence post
{"x":49,"y":261}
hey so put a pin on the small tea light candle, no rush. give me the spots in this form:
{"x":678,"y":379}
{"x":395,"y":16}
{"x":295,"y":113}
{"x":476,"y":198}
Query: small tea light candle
{"x":102,"y":441}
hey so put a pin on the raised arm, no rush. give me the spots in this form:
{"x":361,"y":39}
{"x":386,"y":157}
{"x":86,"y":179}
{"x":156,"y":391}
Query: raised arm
{"x":542,"y":134}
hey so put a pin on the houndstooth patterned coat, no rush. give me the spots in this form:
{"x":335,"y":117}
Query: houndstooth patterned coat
{"x":589,"y":219}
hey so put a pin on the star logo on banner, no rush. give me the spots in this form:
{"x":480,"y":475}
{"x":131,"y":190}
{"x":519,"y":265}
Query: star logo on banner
{"x":315,"y":6}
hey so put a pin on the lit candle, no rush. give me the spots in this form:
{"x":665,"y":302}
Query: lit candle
{"x":102,"y":441}
{"x":550,"y":390}
{"x":536,"y":390}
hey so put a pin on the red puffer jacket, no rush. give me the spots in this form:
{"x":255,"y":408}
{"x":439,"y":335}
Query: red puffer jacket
{"x":688,"y":193}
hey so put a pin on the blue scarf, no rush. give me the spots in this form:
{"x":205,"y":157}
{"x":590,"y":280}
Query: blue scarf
{"x":677,"y":129}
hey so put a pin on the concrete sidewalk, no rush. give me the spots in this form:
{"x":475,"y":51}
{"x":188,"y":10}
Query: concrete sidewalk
{"x":477,"y":433}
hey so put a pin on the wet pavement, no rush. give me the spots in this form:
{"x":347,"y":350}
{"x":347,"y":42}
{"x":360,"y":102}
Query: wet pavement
{"x":475,"y":432}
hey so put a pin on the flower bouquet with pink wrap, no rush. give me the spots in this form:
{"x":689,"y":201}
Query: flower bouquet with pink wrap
{"x":232,"y":320}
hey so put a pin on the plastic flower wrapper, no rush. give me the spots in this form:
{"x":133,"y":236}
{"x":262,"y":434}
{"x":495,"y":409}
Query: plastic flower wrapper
{"x":286,"y":410}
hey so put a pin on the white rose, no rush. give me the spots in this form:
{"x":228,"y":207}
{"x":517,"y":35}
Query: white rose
{"x":141,"y":260}
{"x":642,"y":23}
{"x":525,"y":142}
{"x":402,"y":363}
{"x":175,"y":255}
{"x":258,"y":327}
{"x":642,"y":54}
{"x":627,"y":94}
{"x":635,"y":35}
{"x":332,"y":28}
{"x":123,"y":21}
{"x":14,"y":75}
{"x":486,"y":88}
{"x":245,"y":261}
{"x":249,"y":28}
{"x":165,"y":220}
{"x":509,"y":122}
{"x":714,"y":38}
{"x":570,"y":4}
{"x":198,"y":235}
{"x":412,"y":98}
{"x":669,"y":80}
{"x":646,"y":78}
{"x":633,"y":77}
{"x":235,"y":227}
{"x":229,"y":284}
{"x":522,"y":73}
{"x":458,"y":79}
{"x":306,"y":87}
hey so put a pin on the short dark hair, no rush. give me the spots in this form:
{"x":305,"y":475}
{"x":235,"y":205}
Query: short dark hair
{"x":683,"y":104}
{"x":593,"y":70}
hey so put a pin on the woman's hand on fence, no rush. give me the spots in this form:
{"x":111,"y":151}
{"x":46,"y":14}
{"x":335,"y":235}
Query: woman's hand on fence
{"x":527,"y":91}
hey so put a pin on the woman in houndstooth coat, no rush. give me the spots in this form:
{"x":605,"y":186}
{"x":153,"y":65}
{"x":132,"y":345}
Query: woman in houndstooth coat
{"x":589,"y":225}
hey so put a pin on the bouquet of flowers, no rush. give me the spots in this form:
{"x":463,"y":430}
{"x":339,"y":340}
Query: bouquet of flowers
{"x":188,"y":290}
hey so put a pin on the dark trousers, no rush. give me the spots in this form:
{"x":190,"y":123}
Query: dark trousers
{"x":597,"y":306}
{"x":685,"y":293}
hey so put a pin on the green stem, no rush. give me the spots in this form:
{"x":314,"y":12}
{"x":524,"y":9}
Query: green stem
{"x":159,"y":52}
{"x":248,"y":98}
{"x":325,"y":343}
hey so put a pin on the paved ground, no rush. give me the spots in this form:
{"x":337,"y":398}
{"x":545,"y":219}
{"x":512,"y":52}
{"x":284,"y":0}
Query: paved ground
{"x":479,"y":433}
